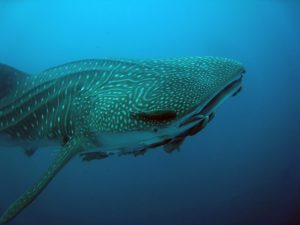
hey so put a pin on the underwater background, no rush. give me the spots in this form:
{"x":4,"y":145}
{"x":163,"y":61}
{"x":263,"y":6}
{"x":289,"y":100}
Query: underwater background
{"x":243,"y":168}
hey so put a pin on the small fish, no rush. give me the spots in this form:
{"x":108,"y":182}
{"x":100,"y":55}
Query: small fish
{"x":99,"y":108}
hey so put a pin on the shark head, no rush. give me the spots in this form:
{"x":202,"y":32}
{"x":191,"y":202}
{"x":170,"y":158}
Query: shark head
{"x":197,"y":84}
{"x":176,"y":98}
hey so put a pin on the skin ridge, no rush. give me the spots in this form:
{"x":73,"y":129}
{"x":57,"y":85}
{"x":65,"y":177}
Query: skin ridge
{"x":52,"y":89}
{"x":15,"y":113}
{"x":90,"y":65}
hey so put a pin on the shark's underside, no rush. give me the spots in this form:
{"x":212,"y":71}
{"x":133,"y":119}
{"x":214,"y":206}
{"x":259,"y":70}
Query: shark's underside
{"x":97,"y":108}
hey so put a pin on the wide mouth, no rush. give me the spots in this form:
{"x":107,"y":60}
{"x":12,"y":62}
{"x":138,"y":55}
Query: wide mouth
{"x":230,"y":90}
{"x":205,"y":110}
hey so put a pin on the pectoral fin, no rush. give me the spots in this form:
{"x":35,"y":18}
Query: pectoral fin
{"x":74,"y":146}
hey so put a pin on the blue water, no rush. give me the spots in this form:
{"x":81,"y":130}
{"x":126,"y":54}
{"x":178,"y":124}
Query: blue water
{"x":243,"y":169}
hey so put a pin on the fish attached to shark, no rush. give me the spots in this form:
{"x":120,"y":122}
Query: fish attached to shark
{"x":99,"y":108}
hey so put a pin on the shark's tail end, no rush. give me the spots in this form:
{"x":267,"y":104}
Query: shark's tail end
{"x":5,"y":218}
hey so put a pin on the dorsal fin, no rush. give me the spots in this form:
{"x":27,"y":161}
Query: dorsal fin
{"x":9,"y":78}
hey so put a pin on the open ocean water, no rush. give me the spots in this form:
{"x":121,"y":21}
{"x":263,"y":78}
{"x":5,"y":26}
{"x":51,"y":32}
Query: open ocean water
{"x":242,"y":169}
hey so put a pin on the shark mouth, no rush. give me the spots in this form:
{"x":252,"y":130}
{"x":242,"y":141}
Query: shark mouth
{"x":206,"y":112}
{"x":197,"y":121}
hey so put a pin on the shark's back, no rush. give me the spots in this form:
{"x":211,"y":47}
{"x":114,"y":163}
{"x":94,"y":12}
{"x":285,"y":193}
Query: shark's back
{"x":35,"y":106}
{"x":15,"y":83}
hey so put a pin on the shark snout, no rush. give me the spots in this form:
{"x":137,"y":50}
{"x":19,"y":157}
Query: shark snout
{"x":222,"y":78}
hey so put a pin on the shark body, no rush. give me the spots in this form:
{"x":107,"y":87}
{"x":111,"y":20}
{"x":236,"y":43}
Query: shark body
{"x":97,"y":108}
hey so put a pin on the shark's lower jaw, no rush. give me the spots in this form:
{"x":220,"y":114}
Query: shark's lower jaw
{"x":206,"y":110}
{"x":200,"y":117}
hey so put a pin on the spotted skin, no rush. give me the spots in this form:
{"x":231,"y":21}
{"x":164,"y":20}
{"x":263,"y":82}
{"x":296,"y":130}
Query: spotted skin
{"x":76,"y":103}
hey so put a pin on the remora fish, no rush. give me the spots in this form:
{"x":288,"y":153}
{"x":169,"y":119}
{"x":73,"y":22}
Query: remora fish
{"x":97,"y":108}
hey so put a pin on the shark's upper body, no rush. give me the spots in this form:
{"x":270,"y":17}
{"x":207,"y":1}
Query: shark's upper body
{"x":97,"y":108}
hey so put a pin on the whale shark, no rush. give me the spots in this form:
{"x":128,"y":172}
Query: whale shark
{"x":99,"y":108}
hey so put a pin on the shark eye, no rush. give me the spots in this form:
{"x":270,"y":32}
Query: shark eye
{"x":155,"y":116}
